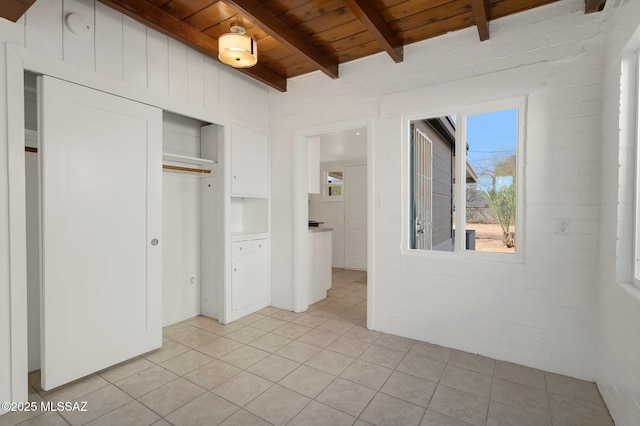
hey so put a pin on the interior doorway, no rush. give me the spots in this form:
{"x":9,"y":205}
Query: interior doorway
{"x":340,"y":200}
{"x":343,"y":201}
{"x":346,"y":300}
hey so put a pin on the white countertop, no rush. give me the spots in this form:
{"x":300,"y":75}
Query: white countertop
{"x":319,"y":229}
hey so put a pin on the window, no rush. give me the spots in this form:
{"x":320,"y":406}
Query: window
{"x":333,"y":180}
{"x":463,"y":177}
{"x":432,"y":182}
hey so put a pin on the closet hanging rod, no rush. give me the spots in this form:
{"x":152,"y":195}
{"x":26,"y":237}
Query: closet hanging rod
{"x":185,"y":169}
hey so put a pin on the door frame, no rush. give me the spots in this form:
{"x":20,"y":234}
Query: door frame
{"x":301,"y":210}
{"x":18,"y":61}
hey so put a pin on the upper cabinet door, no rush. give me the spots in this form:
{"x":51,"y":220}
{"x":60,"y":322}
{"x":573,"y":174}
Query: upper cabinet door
{"x":249,"y":162}
{"x":101,"y":165}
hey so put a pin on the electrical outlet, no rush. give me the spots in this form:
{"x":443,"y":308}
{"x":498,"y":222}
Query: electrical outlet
{"x":563,"y":225}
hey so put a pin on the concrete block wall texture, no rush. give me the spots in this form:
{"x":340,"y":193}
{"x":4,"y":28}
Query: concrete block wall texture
{"x":541,"y":311}
{"x":567,"y":307}
{"x":618,"y":368}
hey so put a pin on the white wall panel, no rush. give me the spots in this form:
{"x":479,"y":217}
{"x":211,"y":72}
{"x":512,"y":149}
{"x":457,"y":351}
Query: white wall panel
{"x":212,"y":85}
{"x":181,"y":248}
{"x":108,"y":41}
{"x":195,"y":77}
{"x":263,"y":104}
{"x":181,"y":223}
{"x":134,"y":52}
{"x":158,"y":62}
{"x":178,"y":70}
{"x":44,"y":28}
{"x":245,"y":101}
{"x":79,"y":50}
{"x":227,"y":83}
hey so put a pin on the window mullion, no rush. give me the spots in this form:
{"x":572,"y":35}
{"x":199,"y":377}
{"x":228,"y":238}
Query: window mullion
{"x":460,"y":181}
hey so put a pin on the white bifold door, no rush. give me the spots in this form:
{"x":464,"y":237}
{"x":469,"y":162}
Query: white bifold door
{"x":101,"y":192}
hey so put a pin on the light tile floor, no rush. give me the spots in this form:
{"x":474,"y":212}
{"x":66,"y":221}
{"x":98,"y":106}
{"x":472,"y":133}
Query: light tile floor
{"x":321,"y":367}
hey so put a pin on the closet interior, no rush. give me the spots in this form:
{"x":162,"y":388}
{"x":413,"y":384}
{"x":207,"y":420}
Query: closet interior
{"x":215,"y":220}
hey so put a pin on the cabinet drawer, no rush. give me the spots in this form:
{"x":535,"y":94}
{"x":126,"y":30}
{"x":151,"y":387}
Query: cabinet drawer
{"x":238,"y":248}
{"x":258,"y":246}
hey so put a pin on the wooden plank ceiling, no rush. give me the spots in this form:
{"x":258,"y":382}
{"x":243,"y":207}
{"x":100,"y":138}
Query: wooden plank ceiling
{"x":295,"y":37}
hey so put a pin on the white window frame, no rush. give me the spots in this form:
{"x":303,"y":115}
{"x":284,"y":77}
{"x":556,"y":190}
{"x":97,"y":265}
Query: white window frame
{"x":634,"y":105}
{"x":460,"y":251}
{"x":326,"y":185}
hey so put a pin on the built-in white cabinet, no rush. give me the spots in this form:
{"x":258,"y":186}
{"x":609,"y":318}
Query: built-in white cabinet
{"x":245,"y":170}
{"x":249,"y":274}
{"x":249,"y":162}
{"x":319,"y":278}
{"x":248,"y":216}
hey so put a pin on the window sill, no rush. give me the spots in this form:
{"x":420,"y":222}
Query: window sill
{"x":468,"y":256}
{"x":632,"y":289}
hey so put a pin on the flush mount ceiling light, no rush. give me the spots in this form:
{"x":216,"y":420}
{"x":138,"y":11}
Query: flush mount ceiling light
{"x":237,"y":49}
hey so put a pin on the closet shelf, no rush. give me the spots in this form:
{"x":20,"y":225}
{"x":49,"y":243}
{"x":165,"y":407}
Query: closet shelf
{"x":186,"y":159}
{"x":206,"y":166}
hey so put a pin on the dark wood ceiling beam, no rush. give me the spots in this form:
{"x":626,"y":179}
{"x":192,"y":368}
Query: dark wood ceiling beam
{"x":591,"y":6}
{"x":376,"y":26}
{"x":273,"y":25}
{"x":481,"y":16}
{"x":154,"y":17}
{"x":14,"y":9}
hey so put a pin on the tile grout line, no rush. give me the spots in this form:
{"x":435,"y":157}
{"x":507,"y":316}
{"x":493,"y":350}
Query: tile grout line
{"x":349,"y":342}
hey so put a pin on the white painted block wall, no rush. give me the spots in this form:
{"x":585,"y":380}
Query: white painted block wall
{"x":540,"y":312}
{"x":619,"y":301}
{"x":120,"y":51}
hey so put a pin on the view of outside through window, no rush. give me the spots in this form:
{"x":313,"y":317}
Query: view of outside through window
{"x":334,"y":183}
{"x":491,"y":196}
{"x":489,"y":182}
{"x":433,"y":145}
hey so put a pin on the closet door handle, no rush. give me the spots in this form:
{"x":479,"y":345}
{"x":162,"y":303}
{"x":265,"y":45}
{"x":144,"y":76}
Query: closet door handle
{"x":154,"y":242}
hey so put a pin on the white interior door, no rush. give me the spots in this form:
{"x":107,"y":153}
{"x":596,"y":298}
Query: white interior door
{"x":101,"y":195}
{"x":355,"y":213}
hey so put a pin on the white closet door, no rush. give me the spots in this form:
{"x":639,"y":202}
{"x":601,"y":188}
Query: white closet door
{"x":355,"y":212}
{"x":101,"y":195}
